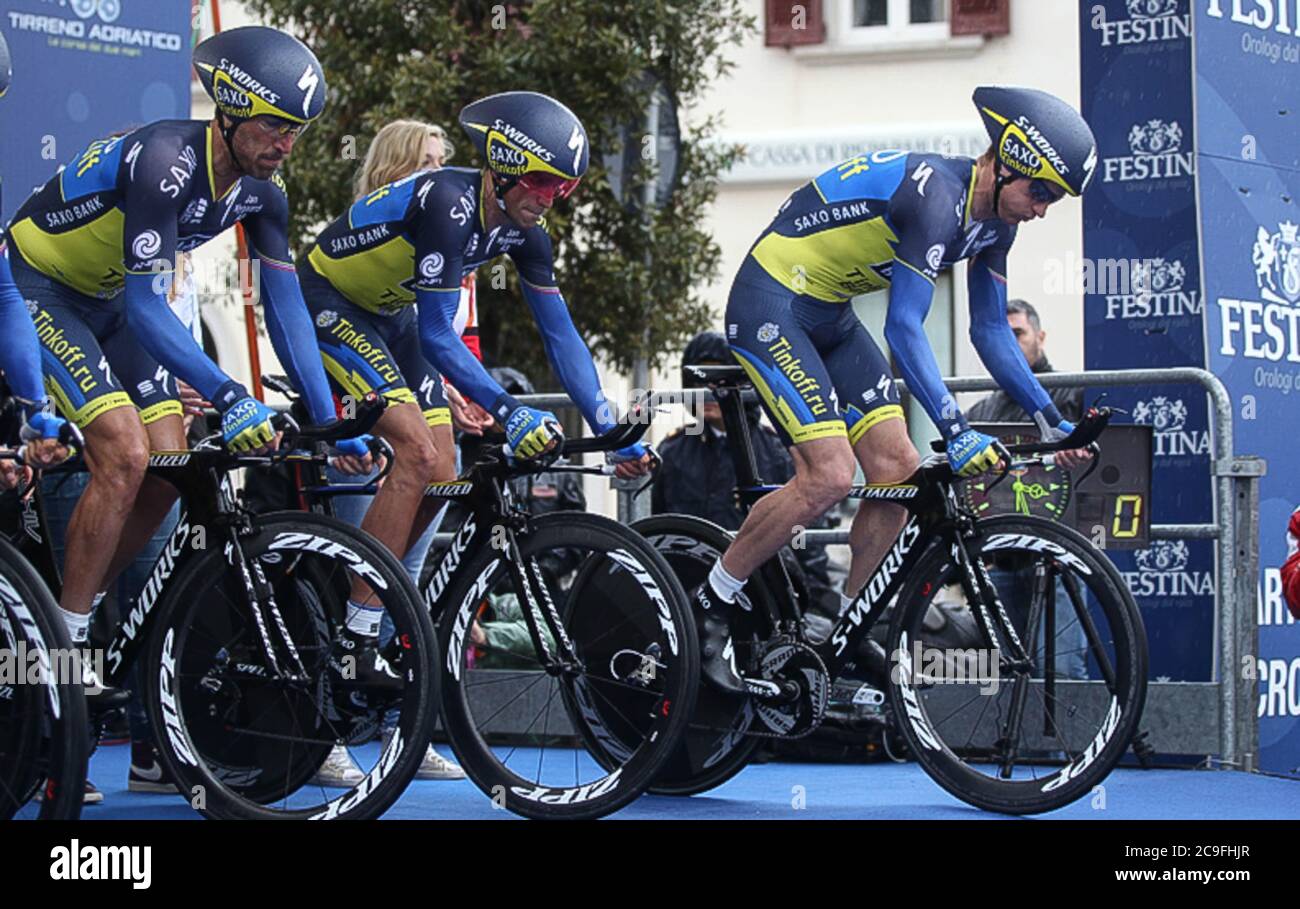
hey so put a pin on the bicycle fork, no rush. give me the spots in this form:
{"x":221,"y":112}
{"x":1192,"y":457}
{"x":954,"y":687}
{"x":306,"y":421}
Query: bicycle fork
{"x":266,"y":613}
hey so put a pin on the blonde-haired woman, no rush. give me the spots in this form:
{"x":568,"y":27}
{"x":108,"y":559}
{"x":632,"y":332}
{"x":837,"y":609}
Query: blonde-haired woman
{"x":399,"y":149}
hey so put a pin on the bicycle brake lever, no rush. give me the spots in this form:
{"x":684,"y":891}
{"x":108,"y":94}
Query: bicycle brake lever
{"x":1095,"y":460}
{"x":1005,"y":470}
{"x":655,"y":463}
{"x":379,"y":447}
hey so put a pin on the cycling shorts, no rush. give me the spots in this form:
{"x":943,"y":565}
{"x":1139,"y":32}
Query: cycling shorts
{"x":815,"y":366}
{"x":91,"y":360}
{"x":365,"y":351}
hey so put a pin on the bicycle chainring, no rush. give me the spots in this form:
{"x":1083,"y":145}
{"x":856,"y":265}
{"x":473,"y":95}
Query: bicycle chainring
{"x":786,"y":660}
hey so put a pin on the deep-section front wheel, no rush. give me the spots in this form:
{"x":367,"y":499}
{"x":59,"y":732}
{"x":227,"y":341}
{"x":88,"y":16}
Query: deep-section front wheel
{"x":1037,"y":720}
{"x":573,"y":724}
{"x":44,"y":736}
{"x":250,"y":692}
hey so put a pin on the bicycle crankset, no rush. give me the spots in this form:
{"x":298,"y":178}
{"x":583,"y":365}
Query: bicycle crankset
{"x":798,"y":673}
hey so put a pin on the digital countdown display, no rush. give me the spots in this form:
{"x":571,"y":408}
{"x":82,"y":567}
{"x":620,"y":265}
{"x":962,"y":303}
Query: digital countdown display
{"x":1112,"y":503}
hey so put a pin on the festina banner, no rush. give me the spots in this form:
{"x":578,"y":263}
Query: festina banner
{"x":1247,"y":70}
{"x":1143,"y":304}
{"x":83,"y":69}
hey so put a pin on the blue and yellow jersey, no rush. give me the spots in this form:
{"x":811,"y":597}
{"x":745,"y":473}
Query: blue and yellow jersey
{"x":844,"y":233}
{"x":130,"y":203}
{"x":425,"y":231}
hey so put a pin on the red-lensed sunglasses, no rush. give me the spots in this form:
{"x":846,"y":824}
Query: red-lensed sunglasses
{"x":548,"y":186}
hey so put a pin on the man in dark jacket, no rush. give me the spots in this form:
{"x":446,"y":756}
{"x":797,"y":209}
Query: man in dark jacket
{"x":698,"y":476}
{"x":999,"y":407}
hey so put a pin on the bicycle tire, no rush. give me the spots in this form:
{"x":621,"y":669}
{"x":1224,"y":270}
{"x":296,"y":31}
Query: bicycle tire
{"x":39,"y":749}
{"x":714,"y":747}
{"x":1085,"y":757}
{"x":308,"y":560}
{"x":615,"y":607}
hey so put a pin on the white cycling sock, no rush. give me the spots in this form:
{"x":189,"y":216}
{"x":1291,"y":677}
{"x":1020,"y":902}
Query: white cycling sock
{"x":723,"y":584}
{"x":364,"y":620}
{"x":78,"y":625}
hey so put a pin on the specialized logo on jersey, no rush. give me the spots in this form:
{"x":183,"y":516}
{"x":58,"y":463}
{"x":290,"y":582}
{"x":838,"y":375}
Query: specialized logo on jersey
{"x":1157,"y":286}
{"x":767,"y":332}
{"x":431,"y":266}
{"x":1155,"y":148}
{"x":1147,"y":21}
{"x":1167,"y":417}
{"x":146,"y":245}
{"x":1162,"y":572}
{"x":326,"y":317}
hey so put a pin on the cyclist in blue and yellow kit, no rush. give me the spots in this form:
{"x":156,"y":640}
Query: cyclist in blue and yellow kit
{"x":888,"y":219}
{"x":383,"y":282}
{"x":93,"y":251}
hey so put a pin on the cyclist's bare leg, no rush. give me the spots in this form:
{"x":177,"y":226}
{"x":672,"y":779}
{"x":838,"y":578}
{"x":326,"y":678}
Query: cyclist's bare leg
{"x":117,"y":452}
{"x":824,"y":471}
{"x":887,"y":455}
{"x":443,"y":441}
{"x":392,"y":515}
{"x":152,"y":502}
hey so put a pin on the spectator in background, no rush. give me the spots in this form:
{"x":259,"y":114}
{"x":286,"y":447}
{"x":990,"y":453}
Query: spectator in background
{"x":999,"y":407}
{"x":398,"y":150}
{"x":1015,"y":586}
{"x":698,"y":476}
{"x":1291,"y":567}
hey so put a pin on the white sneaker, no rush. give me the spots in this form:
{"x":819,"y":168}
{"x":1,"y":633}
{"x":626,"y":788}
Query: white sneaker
{"x":339,"y":770}
{"x":434,"y":766}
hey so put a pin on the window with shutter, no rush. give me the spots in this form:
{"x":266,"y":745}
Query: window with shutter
{"x":791,"y":22}
{"x":981,"y":17}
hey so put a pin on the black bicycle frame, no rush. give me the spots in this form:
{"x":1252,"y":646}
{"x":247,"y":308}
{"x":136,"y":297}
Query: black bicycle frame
{"x":207,"y":506}
{"x":493,"y":521}
{"x":933,"y":514}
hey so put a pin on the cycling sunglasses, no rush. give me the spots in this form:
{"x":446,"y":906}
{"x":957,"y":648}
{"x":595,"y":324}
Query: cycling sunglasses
{"x":548,"y":186}
{"x":1042,"y":191}
{"x":272,"y":125}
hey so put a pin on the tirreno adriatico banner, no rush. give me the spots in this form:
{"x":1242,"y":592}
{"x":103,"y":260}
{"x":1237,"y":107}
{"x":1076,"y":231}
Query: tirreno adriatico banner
{"x":1143,"y":305}
{"x":1248,"y":158}
{"x":84,"y":69}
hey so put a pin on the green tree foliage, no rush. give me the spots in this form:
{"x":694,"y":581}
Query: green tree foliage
{"x":426,"y":59}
